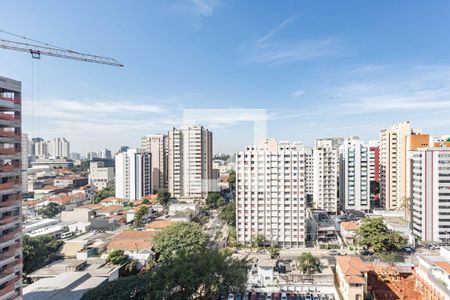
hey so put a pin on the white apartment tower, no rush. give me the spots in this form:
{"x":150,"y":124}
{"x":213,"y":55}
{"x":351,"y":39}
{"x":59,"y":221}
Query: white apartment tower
{"x":430,"y":169}
{"x":58,"y":147}
{"x":354,"y":179}
{"x":190,"y":162}
{"x":393,"y":165}
{"x":133,"y":174}
{"x":270,"y":193}
{"x":157,"y":145}
{"x":326,"y":174}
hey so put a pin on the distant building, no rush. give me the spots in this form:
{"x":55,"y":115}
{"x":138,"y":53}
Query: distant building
{"x":58,"y":148}
{"x":157,"y":145}
{"x":309,"y":171}
{"x":393,"y":165}
{"x":326,"y":174}
{"x":354,"y":183}
{"x":100,"y":176}
{"x":430,"y":175}
{"x":105,"y":153}
{"x":190,"y":162}
{"x":133,"y":174}
{"x":269,"y":173}
{"x":75,"y":156}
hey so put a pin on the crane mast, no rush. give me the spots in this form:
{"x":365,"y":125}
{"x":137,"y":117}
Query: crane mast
{"x":36,"y":51}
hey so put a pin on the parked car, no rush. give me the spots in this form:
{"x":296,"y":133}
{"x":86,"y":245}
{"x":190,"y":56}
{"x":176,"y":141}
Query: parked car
{"x":365,"y":252}
{"x":276,"y":296}
{"x":308,"y":297}
{"x":269,"y":297}
{"x":333,"y":252}
{"x":230,"y":297}
{"x":283,"y":296}
{"x":253,"y":296}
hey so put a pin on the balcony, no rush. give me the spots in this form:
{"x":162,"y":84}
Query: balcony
{"x":9,"y":287}
{"x":7,"y":185}
{"x":9,"y":117}
{"x":9,"y":202}
{"x":11,"y":252}
{"x":8,"y":270}
{"x":15,"y":101}
{"x":9,"y":236}
{"x":7,"y":151}
{"x":8,"y":219}
{"x":9,"y":168}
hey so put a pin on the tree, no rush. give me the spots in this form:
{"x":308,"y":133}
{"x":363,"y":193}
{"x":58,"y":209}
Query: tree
{"x":259,"y":240}
{"x":117,"y":257}
{"x":50,"y":210}
{"x":232,"y":180}
{"x":374,"y":234}
{"x":163,"y":197}
{"x":132,"y":267}
{"x":228,"y":214}
{"x":82,"y":168}
{"x":308,"y":264}
{"x":274,"y":252}
{"x":182,"y":238}
{"x":39,"y":251}
{"x":214,"y":200}
{"x":103,"y":194}
{"x":202,"y":276}
{"x":138,"y":215}
{"x":145,"y":201}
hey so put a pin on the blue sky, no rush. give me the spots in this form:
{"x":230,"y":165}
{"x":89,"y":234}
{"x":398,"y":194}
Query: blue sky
{"x":319,"y":68}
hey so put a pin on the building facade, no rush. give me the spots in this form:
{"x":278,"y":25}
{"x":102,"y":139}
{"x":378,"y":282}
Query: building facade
{"x":133,"y":175}
{"x":326,"y":174}
{"x":430,"y":168}
{"x":10,"y":189}
{"x":58,"y":147}
{"x":100,"y":175}
{"x":270,"y":194}
{"x":309,"y":171}
{"x":354,"y":179}
{"x":157,"y":145}
{"x":190,"y":162}
{"x":393,"y":165}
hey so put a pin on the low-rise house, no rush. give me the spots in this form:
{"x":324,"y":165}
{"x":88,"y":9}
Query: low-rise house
{"x":103,"y":223}
{"x":176,"y":208}
{"x":137,"y":244}
{"x":158,"y":225}
{"x":110,"y":210}
{"x":110,"y":201}
{"x":348,"y":231}
{"x":132,"y":212}
{"x":351,"y":277}
{"x":78,"y":214}
{"x":70,"y":181}
{"x":182,"y":216}
{"x":265,"y":271}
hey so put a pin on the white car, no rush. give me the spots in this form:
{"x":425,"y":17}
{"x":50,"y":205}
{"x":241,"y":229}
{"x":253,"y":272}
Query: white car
{"x":283,"y":296}
{"x":230,"y":297}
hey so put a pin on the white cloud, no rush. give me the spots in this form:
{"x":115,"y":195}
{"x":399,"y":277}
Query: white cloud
{"x":205,"y":8}
{"x":267,"y":49}
{"x":298,"y":93}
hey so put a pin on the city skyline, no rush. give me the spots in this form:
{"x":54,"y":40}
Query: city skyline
{"x":299,"y":68}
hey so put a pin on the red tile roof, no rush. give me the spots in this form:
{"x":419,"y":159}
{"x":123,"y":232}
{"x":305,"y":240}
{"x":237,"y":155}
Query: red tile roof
{"x":353,"y":269}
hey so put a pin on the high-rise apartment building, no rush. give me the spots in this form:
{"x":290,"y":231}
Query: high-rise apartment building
{"x":326,"y":174}
{"x":133,"y":174}
{"x":270,"y":193}
{"x":58,"y":147}
{"x":38,"y":147}
{"x":105,"y":153}
{"x":157,"y":145}
{"x":190,"y":162}
{"x":10,"y":189}
{"x":354,"y":182}
{"x":309,"y":171}
{"x":430,"y":168}
{"x":393,"y":165}
{"x":26,"y":160}
{"x":374,"y":160}
{"x":100,"y":175}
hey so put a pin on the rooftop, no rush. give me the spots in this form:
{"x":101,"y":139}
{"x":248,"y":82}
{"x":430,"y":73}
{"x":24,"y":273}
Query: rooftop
{"x":353,"y":269}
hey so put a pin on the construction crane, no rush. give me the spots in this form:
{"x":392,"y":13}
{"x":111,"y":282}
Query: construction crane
{"x":36,"y":51}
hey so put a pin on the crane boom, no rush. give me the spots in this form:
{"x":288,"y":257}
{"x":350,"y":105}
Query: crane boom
{"x":36,"y":51}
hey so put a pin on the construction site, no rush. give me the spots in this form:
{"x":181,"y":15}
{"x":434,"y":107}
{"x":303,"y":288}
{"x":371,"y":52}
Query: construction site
{"x":389,"y":282}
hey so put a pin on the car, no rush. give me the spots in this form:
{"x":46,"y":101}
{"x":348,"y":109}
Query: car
{"x":333,"y":252}
{"x":230,"y":297}
{"x":276,"y":296}
{"x":308,"y":297}
{"x":253,"y":296}
{"x":316,"y":297}
{"x":283,"y":296}
{"x":245,"y":296}
{"x":238,"y":297}
{"x":364,"y":252}
{"x":269,"y":297}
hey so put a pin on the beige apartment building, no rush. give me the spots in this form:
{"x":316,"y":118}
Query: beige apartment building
{"x":393,"y":165}
{"x":270,"y":193}
{"x":157,"y":145}
{"x":190,"y":162}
